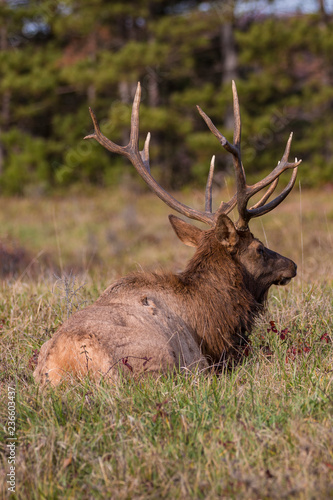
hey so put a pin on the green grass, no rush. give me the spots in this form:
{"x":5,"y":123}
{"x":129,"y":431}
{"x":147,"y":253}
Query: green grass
{"x":261,"y":430}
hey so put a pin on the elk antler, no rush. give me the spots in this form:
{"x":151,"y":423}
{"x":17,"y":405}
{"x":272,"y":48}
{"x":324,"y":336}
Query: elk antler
{"x":245,"y":192}
{"x":140,"y":160}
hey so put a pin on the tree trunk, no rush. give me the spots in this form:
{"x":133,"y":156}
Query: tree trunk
{"x":229,"y":62}
{"x":322,"y":10}
{"x":153,"y":90}
{"x":4,"y":100}
{"x":228,"y":53}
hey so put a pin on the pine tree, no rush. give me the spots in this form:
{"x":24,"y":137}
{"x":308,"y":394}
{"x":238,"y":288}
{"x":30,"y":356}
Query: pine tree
{"x":58,"y":58}
{"x":287,"y":85}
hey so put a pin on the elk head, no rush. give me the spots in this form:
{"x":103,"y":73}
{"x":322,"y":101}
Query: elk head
{"x":260,"y":266}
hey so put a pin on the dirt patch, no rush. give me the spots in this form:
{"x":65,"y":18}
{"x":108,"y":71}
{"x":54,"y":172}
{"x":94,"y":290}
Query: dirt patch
{"x":16,"y":261}
{"x":13,"y":259}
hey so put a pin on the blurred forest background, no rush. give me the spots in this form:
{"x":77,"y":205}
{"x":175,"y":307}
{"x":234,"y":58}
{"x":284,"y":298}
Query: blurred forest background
{"x":59,"y":57}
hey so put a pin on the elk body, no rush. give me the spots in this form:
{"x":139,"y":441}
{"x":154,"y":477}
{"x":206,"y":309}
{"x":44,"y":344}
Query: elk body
{"x":159,"y":322}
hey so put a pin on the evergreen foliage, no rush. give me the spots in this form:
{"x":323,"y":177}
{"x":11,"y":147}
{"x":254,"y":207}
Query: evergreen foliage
{"x":59,"y":57}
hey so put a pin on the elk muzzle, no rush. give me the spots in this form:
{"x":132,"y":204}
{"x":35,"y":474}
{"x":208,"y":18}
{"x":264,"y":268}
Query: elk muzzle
{"x":287,"y":272}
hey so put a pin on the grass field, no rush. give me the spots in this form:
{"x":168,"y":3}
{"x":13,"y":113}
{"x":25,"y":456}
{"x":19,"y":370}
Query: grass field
{"x":261,"y":430}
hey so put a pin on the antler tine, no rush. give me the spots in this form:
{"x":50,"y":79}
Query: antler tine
{"x":268,"y":193}
{"x":145,"y":153}
{"x":208,"y":193}
{"x":134,"y":137}
{"x":226,"y":144}
{"x":237,"y":119}
{"x":226,"y":207}
{"x":99,"y":137}
{"x":140,"y":161}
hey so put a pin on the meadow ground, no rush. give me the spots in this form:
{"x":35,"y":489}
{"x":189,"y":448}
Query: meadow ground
{"x":261,"y":430}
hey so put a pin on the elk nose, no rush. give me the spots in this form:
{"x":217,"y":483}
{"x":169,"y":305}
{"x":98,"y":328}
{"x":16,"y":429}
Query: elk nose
{"x":295,"y":268}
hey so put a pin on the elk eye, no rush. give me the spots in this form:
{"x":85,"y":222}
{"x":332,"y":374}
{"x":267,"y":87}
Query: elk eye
{"x":260,"y":251}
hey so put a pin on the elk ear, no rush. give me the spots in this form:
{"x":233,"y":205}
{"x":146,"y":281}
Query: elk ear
{"x":226,"y":233}
{"x":188,"y":234}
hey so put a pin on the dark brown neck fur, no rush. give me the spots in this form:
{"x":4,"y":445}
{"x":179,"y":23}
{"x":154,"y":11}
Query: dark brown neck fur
{"x":224,"y":309}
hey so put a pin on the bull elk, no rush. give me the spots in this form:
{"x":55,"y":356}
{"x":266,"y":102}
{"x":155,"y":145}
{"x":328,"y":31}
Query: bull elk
{"x":160,"y":322}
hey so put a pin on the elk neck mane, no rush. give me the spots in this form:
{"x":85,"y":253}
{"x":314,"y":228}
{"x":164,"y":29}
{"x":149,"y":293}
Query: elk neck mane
{"x":210,"y":295}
